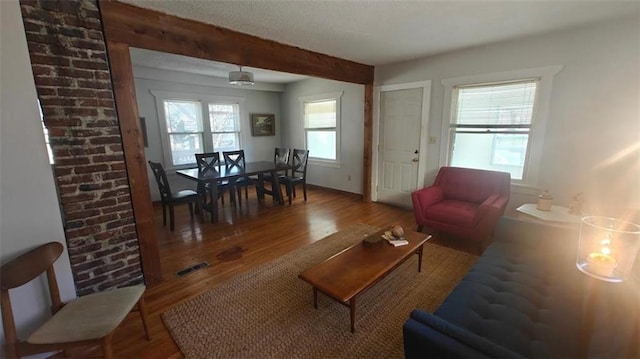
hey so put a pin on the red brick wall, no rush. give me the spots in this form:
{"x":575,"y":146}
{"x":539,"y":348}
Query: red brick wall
{"x":71,"y":71}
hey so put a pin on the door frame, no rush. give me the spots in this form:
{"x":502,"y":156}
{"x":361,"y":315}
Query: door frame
{"x":424,"y":130}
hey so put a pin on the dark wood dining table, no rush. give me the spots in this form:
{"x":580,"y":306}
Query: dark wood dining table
{"x":212,"y":177}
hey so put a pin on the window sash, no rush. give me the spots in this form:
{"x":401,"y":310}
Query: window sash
{"x":322,"y":151}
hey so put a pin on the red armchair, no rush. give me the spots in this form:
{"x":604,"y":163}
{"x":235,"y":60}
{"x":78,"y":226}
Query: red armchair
{"x":463,"y":202}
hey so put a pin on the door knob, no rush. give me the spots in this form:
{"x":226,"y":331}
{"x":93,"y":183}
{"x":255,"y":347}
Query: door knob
{"x":415,"y":160}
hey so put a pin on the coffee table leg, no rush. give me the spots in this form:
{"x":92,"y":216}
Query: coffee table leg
{"x":420,"y":258}
{"x":315,"y":298}
{"x":352,"y":312}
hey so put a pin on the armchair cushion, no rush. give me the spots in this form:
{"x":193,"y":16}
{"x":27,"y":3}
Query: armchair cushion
{"x":454,"y":212}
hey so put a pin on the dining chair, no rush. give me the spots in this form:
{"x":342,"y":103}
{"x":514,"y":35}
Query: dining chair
{"x":169,"y":198}
{"x":86,"y":321}
{"x":281,"y":156}
{"x":236,"y":159}
{"x":210,"y":161}
{"x":298,"y":174}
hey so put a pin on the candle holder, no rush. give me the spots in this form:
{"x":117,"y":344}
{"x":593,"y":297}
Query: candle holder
{"x":607,"y":248}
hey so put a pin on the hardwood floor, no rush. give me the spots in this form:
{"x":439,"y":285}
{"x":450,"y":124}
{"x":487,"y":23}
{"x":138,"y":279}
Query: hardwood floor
{"x":244,"y":238}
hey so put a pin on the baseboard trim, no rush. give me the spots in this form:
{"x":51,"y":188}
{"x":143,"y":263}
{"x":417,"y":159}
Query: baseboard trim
{"x":351,"y":194}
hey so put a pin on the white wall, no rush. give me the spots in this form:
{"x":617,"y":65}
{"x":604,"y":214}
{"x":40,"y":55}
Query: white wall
{"x":592,"y":141}
{"x":29,"y":212}
{"x":255,"y":101}
{"x":348,"y":177}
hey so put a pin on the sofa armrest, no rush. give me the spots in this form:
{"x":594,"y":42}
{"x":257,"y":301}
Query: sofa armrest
{"x":427,"y":335}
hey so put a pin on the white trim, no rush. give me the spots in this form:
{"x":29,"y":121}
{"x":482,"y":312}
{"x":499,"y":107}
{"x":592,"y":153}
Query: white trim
{"x":538,"y":122}
{"x":424,"y":130}
{"x":336,"y":96}
{"x":204,"y":100}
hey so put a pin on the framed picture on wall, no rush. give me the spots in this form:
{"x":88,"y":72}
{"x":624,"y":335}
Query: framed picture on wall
{"x":263,"y":124}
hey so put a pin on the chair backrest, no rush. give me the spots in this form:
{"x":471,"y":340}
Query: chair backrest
{"x":300,"y":159}
{"x":472,"y":185}
{"x":281,"y":156}
{"x":23,"y":269}
{"x":234,"y":159}
{"x":208,"y":161}
{"x":161,"y":180}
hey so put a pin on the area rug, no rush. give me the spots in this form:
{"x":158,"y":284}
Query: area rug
{"x":268,"y":312}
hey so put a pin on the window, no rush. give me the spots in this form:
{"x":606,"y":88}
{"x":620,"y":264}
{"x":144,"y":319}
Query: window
{"x":195,"y":123}
{"x":497,"y":121}
{"x":491,"y":124}
{"x":184,"y":128}
{"x":223,"y":119}
{"x":322,"y":127}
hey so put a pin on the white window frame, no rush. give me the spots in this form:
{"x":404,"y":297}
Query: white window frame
{"x":205,"y":100}
{"x":530,"y":176}
{"x":337,"y":97}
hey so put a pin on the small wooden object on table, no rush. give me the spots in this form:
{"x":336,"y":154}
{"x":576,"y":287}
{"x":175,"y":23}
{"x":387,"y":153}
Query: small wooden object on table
{"x":346,"y":275}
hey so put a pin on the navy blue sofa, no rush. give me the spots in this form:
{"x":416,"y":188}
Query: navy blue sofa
{"x":524,"y":298}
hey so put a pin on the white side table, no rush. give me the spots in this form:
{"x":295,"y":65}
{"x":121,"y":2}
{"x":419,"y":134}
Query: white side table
{"x":558,"y":216}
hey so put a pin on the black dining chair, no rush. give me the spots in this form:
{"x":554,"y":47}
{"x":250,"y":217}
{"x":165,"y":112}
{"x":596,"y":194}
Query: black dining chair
{"x":236,"y":159}
{"x":169,"y":199}
{"x":298,"y":174}
{"x":210,"y":161}
{"x":281,"y":156}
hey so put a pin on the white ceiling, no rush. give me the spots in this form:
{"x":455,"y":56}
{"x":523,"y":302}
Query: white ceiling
{"x":376,"y":32}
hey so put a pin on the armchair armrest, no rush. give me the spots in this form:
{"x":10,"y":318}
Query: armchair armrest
{"x":489,"y":212}
{"x":495,"y":201}
{"x":427,"y":335}
{"x":424,"y":198}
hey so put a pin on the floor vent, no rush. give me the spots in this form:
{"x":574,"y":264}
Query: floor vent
{"x":193,"y":268}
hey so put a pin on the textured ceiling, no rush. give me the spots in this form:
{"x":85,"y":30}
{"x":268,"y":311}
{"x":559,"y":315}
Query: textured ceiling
{"x":383,"y":32}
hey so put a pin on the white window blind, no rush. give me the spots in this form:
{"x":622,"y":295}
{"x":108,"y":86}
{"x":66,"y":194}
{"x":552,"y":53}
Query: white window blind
{"x":320,"y":122}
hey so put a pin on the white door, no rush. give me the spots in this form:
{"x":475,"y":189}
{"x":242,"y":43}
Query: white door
{"x":399,"y":146}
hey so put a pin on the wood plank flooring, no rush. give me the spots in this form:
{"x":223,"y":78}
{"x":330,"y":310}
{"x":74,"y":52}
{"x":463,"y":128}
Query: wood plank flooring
{"x":244,"y":238}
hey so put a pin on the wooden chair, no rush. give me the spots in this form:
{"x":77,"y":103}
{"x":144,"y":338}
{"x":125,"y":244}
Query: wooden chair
{"x":210,"y":161}
{"x":281,"y":156}
{"x":86,"y":321}
{"x":298,"y":174}
{"x":169,"y":199}
{"x":236,"y":159}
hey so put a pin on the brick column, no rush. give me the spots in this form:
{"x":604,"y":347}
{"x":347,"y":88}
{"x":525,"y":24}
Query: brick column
{"x":71,"y":72}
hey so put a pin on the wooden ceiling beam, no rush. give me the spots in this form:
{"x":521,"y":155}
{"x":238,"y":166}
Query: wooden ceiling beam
{"x":154,"y":30}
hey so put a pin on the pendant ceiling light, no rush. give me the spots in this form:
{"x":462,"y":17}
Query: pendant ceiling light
{"x":240,"y":77}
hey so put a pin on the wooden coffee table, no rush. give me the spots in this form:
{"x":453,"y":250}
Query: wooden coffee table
{"x":349,"y":273}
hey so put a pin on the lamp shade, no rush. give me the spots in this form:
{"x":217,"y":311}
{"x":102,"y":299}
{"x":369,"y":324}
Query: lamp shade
{"x":608,"y":247}
{"x":241,"y":78}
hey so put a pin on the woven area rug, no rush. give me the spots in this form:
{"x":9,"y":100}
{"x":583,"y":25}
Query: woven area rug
{"x":268,"y":312}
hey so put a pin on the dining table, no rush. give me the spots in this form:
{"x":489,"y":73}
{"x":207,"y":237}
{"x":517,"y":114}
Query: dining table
{"x":213,"y":176}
